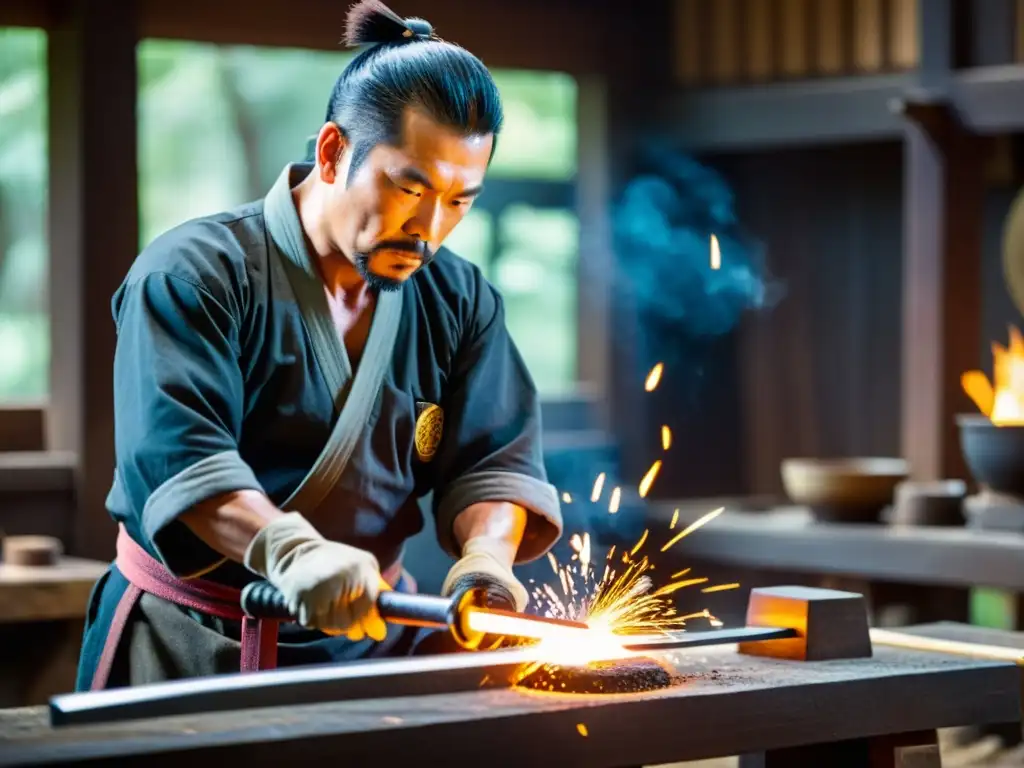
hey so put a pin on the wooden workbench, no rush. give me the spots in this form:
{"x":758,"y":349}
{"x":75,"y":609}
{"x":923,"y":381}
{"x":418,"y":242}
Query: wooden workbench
{"x":42,"y":612}
{"x":729,"y":704}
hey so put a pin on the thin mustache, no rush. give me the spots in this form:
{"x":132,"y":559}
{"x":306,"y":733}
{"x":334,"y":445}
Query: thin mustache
{"x":419,"y":249}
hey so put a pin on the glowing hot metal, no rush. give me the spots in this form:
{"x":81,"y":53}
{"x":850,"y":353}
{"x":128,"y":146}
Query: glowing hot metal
{"x":497,"y":622}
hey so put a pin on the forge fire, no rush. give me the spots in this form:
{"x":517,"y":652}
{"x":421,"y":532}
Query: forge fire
{"x":1002,"y":399}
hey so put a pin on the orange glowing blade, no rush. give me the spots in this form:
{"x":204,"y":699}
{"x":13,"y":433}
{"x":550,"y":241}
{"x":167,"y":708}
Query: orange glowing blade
{"x":509,"y":624}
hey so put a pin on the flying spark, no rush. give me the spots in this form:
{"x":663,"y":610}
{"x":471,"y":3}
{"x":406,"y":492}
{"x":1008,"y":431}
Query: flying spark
{"x":654,"y":377}
{"x":648,"y":481}
{"x":624,"y":601}
{"x":566,"y":497}
{"x":613,"y":503}
{"x":693,"y":527}
{"x":720,"y":588}
{"x":637,"y":547}
{"x":716,"y":253}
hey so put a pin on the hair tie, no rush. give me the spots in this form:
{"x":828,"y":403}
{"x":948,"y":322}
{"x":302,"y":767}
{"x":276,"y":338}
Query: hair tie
{"x":417,"y":28}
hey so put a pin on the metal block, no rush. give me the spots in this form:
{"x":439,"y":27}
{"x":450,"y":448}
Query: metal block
{"x":830,"y":624}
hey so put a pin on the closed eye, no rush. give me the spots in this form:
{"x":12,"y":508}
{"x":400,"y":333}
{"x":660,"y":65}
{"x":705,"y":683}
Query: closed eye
{"x":404,"y":188}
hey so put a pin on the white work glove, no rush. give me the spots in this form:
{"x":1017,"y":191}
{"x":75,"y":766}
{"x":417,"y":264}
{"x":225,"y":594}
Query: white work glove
{"x":480,"y":565}
{"x":329,"y":586}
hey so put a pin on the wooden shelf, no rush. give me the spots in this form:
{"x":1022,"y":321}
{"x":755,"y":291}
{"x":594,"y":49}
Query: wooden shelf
{"x":47,"y":593}
{"x":788,"y":539}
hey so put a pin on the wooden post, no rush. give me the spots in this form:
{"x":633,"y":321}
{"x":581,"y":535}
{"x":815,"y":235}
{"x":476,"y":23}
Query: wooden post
{"x":943,"y":190}
{"x":93,"y":234}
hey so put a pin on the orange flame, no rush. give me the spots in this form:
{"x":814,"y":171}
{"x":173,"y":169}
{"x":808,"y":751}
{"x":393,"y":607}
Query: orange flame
{"x":1002,"y":403}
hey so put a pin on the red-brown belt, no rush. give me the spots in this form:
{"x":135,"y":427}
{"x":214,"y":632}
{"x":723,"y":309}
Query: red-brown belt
{"x":145,"y":574}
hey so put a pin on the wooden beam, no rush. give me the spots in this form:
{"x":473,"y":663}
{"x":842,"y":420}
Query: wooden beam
{"x":530,"y":34}
{"x":595,"y":265}
{"x":826,"y":111}
{"x":934,"y":42}
{"x":987,"y":100}
{"x":93,"y":239}
{"x":944,"y":188}
{"x":25,"y":13}
{"x":944,"y":185}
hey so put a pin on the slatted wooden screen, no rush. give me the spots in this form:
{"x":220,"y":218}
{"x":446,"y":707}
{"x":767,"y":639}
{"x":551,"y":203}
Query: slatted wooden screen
{"x":732,"y":42}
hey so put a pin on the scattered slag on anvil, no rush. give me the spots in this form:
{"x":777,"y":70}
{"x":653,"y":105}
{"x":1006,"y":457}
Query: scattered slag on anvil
{"x":620,"y":603}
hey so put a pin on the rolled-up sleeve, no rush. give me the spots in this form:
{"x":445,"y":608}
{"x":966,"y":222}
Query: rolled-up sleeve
{"x":178,"y":397}
{"x":491,"y":440}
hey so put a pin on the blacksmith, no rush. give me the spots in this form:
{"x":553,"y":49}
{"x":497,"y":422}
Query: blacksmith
{"x":291,"y":376}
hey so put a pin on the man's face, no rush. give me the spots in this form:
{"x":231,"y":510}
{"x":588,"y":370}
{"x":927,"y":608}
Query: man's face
{"x":394,"y":212}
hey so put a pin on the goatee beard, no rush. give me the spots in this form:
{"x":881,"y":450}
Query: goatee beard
{"x":375,"y":282}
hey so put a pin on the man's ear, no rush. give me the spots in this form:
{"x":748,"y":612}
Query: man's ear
{"x":331,"y":146}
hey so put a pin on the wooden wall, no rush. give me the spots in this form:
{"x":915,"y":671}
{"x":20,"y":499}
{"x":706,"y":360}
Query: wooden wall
{"x":730,"y":42}
{"x":819,"y":374}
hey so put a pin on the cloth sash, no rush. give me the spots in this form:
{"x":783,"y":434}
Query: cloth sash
{"x":146,"y":574}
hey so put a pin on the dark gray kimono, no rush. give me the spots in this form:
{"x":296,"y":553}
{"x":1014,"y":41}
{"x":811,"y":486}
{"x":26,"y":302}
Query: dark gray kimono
{"x":229,"y":375}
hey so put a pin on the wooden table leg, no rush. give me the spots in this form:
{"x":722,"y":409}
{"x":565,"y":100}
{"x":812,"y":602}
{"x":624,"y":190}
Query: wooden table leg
{"x":906,"y":750}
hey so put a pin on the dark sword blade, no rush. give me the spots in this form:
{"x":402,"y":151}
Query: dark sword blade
{"x":676,"y":640}
{"x":375,"y":678}
{"x":335,"y":682}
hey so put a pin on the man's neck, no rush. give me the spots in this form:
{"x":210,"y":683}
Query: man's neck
{"x":340,"y":276}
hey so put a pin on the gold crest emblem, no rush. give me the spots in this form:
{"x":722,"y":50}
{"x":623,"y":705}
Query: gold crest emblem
{"x":429,"y":428}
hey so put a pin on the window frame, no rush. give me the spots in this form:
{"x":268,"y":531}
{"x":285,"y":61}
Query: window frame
{"x":23,"y":422}
{"x":25,"y":427}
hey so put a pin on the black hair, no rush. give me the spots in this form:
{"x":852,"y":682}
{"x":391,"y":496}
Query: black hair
{"x":407,"y":66}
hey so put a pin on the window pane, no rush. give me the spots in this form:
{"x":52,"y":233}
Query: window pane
{"x":218,"y":123}
{"x":536,"y":273}
{"x":24,"y":326}
{"x":538,"y":140}
{"x":471,"y":239}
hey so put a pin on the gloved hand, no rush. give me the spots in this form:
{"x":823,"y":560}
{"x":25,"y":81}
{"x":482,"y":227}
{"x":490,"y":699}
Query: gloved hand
{"x":329,"y":586}
{"x":481,"y":565}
